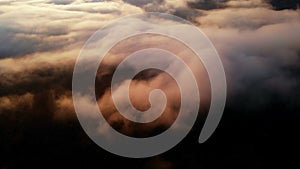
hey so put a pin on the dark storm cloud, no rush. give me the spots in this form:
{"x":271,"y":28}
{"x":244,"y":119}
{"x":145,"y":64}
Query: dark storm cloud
{"x":156,"y":4}
{"x":187,"y":14}
{"x":206,"y":4}
{"x":286,"y":4}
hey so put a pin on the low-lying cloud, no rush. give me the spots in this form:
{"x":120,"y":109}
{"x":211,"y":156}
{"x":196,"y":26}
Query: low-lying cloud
{"x":259,"y":47}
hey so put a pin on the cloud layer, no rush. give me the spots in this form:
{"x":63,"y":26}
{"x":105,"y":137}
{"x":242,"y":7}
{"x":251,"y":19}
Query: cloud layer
{"x":40,"y":41}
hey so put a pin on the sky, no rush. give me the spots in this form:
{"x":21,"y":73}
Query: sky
{"x":258,"y":42}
